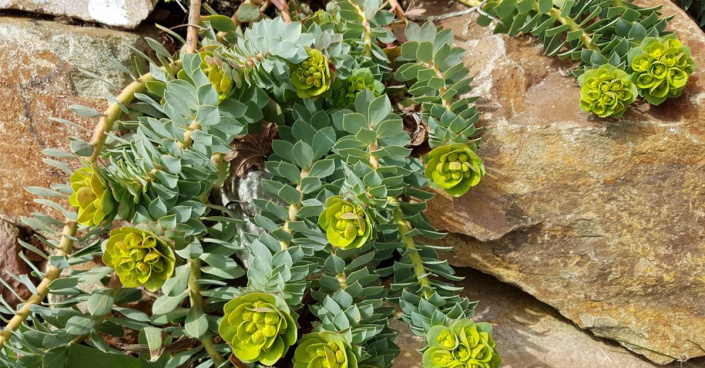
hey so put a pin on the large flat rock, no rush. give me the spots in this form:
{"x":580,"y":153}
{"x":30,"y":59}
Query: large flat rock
{"x":528,"y":333}
{"x":40,"y":78}
{"x":118,"y":13}
{"x":602,"y":219}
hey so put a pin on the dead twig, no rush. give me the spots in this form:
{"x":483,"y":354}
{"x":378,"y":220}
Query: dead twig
{"x":194,"y":18}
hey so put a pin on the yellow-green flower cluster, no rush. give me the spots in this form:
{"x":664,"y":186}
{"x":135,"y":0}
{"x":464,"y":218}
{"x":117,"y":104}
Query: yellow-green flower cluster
{"x":139,"y":258}
{"x":258,"y":327}
{"x":347,"y":225}
{"x":360,"y":80}
{"x":454,"y":168}
{"x":312,"y":76}
{"x":213,"y":67}
{"x":465,"y":344}
{"x":660,"y":68}
{"x":605,"y":91}
{"x":324,"y":350}
{"x":92,"y":196}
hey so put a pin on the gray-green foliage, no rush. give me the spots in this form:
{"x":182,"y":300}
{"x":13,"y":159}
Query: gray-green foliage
{"x":591,"y":32}
{"x":164,"y":165}
{"x":594,"y":32}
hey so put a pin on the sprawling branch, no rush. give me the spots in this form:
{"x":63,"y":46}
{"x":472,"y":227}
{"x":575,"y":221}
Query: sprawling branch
{"x":105,"y":125}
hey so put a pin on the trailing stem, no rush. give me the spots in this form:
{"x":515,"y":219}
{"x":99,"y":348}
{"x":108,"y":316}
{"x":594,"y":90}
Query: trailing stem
{"x":412,"y":251}
{"x":195,"y":296}
{"x":408,"y":240}
{"x":293,"y":209}
{"x":446,"y":102}
{"x":111,"y":114}
{"x":368,"y":30}
{"x":555,"y":14}
{"x":196,"y":300}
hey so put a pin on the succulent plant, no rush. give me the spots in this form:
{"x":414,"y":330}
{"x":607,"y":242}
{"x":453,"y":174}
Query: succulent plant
{"x":660,"y":68}
{"x":92,"y":196}
{"x":632,"y":37}
{"x":360,"y":80}
{"x":312,"y":76}
{"x":346,"y":223}
{"x":340,"y":176}
{"x":605,"y":91}
{"x":464,"y":344}
{"x":258,"y":327}
{"x":324,"y":350}
{"x":139,"y":257}
{"x":454,"y":168}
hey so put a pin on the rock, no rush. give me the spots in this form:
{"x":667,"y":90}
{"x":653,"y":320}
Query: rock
{"x":602,"y":219}
{"x":118,"y":13}
{"x":10,"y":262}
{"x":528,"y":333}
{"x":239,"y":195}
{"x":40,"y":78}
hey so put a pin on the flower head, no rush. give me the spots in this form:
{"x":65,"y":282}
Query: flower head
{"x":311,"y":77}
{"x":213,"y":67}
{"x":660,"y":68}
{"x":606,"y":91}
{"x":454,"y":168}
{"x":92,"y":196}
{"x":258,"y":327}
{"x":464,"y":344}
{"x":139,"y":258}
{"x":360,"y":80}
{"x":324,"y":350}
{"x":347,"y":225}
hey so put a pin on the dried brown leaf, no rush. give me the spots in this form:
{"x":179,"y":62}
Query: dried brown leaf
{"x":251,"y":150}
{"x":416,"y":128}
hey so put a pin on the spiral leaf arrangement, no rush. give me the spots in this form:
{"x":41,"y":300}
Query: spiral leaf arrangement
{"x":596,"y":33}
{"x":343,"y":210}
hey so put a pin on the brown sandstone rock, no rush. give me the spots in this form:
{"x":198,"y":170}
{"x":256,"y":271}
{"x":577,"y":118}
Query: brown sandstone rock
{"x":602,"y":219}
{"x":10,"y":262}
{"x":39,"y":78}
{"x":528,"y":333}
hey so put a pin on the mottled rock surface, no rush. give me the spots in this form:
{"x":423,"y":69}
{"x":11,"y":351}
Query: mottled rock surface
{"x":529,"y":334}
{"x":40,"y":78}
{"x":10,"y":262}
{"x":602,"y":219}
{"x":118,"y":13}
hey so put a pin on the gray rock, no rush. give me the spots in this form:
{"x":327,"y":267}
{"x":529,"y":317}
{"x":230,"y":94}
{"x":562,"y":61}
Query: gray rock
{"x":118,"y":13}
{"x":239,"y":196}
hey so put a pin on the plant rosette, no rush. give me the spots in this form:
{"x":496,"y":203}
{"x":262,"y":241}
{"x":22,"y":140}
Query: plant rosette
{"x":312,"y":76}
{"x":660,"y":68}
{"x":258,"y":327}
{"x":139,"y":257}
{"x":360,"y":80}
{"x":346,"y":223}
{"x":324,"y":350}
{"x":92,"y":196}
{"x":455,"y":168}
{"x":605,"y":91}
{"x":464,"y":344}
